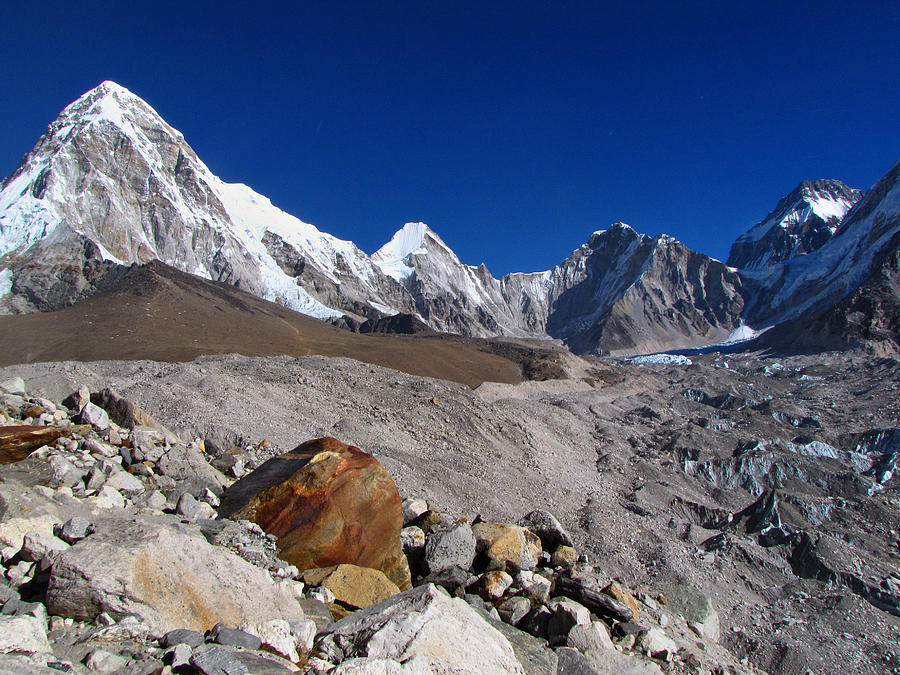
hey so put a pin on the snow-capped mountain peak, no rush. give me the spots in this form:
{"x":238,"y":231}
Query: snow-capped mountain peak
{"x":802,"y":222}
{"x":110,"y":175}
{"x":395,"y":258}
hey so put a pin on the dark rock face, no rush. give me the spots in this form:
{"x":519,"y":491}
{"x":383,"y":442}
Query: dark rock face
{"x":405,"y":324}
{"x":628,"y":293}
{"x":795,"y":227}
{"x":328,"y":503}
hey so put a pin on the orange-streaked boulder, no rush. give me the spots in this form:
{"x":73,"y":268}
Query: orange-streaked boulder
{"x":17,"y":442}
{"x":328,"y":503}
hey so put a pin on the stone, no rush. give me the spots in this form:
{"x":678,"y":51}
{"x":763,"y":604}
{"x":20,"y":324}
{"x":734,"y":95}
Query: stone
{"x":128,"y":414}
{"x":602,"y":661}
{"x":215,"y":660}
{"x":102,"y":661}
{"x":128,"y":567}
{"x":532,"y":653}
{"x":328,"y":503}
{"x":108,"y":498}
{"x":95,"y":416}
{"x":566,"y":613}
{"x":304,"y":632}
{"x":187,"y":463}
{"x":19,"y":441}
{"x":188,"y":506}
{"x":23,"y":633}
{"x":455,"y":580}
{"x":453,"y":547}
{"x":74,"y":530}
{"x":593,"y":635}
{"x":122,"y":481}
{"x":535,"y":586}
{"x":564,"y":556}
{"x":21,"y":664}
{"x":234,"y":637}
{"x":275,"y":636}
{"x":656,"y":643}
{"x":444,"y":633}
{"x":154,"y":500}
{"x":494,"y":583}
{"x":365,"y":666}
{"x":14,"y":386}
{"x":507,"y":546}
{"x":128,"y":628}
{"x":64,"y":473}
{"x":513,"y":610}
{"x":545,"y":525}
{"x":178,"y":655}
{"x":222,"y":660}
{"x":536,"y":622}
{"x":147,"y":443}
{"x":412,"y":539}
{"x":97,"y":447}
{"x":696,"y":607}
{"x":412,"y":509}
{"x":353,"y":585}
{"x":620,"y":593}
{"x":38,"y":544}
{"x":182,"y":636}
{"x":599,"y":603}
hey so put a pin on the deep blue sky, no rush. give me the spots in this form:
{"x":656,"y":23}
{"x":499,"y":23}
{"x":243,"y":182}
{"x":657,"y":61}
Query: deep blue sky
{"x":514,"y":129}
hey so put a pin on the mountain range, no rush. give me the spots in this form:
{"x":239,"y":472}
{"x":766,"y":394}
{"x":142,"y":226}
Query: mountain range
{"x":111,"y":184}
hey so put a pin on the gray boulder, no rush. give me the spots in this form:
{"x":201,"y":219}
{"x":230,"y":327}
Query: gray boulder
{"x":545,"y":525}
{"x":448,"y":548}
{"x":424,"y":623}
{"x":130,"y":568}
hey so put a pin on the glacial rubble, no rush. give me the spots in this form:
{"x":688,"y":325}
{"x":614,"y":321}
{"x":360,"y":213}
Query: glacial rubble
{"x":114,"y":561}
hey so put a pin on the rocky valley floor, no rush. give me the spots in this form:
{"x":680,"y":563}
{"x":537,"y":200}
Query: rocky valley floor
{"x":765,"y":483}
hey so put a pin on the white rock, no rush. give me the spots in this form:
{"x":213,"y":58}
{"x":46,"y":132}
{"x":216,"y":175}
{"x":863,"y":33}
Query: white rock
{"x":23,"y":634}
{"x":426,"y":623}
{"x":15,"y":386}
{"x":594,"y":635}
{"x":412,"y":538}
{"x":39,"y":543}
{"x":98,"y":447}
{"x":304,"y":632}
{"x":96,"y":416}
{"x":108,"y":498}
{"x":275,"y":634}
{"x":656,"y":643}
{"x":322,"y":594}
{"x":103,"y":661}
{"x":412,"y":509}
{"x":364,"y":666}
{"x":124,"y":482}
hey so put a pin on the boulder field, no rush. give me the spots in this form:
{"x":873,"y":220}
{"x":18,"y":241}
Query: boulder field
{"x":127,"y":549}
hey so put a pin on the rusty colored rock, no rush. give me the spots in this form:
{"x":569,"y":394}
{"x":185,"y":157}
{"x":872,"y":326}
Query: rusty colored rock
{"x":620,"y":593}
{"x":507,"y":546}
{"x":17,"y":442}
{"x":328,"y":503}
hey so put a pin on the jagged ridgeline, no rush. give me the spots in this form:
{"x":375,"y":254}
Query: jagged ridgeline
{"x":111,"y":183}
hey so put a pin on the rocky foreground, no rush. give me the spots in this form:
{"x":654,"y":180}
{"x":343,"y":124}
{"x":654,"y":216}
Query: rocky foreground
{"x":126,"y":549}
